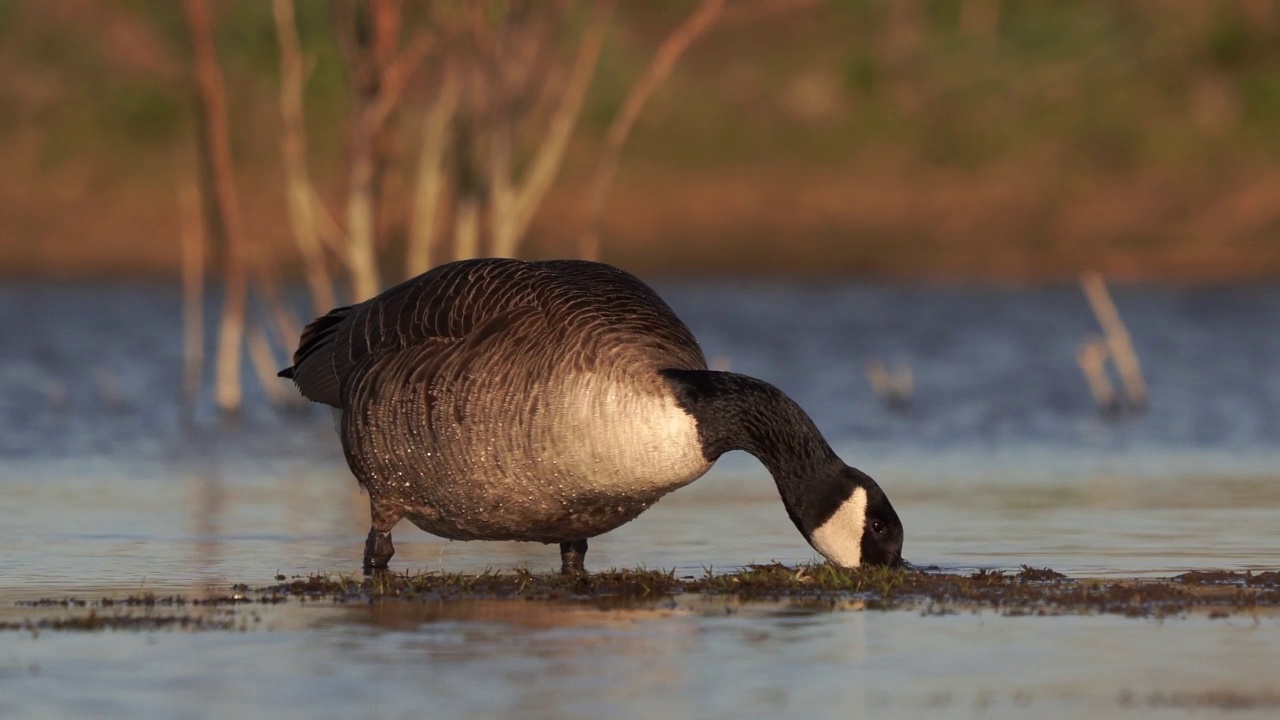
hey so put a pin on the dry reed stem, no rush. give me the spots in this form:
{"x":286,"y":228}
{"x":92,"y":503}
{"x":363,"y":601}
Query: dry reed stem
{"x":1119,"y":344}
{"x":550,"y":153}
{"x":207,"y":510}
{"x":664,"y":61}
{"x":265,"y":366}
{"x":379,"y":73}
{"x":331,"y":233}
{"x":220,"y":184}
{"x":1092,"y":358}
{"x":502,"y":193}
{"x":894,"y":388}
{"x":286,"y":323}
{"x":300,"y":192}
{"x":430,"y":185}
{"x":191,"y":235}
{"x":361,"y":221}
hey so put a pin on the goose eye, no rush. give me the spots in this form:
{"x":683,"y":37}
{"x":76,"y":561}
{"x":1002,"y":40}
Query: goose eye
{"x":877,"y":527}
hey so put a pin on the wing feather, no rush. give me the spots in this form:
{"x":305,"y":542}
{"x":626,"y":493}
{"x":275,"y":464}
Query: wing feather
{"x":435,"y":310}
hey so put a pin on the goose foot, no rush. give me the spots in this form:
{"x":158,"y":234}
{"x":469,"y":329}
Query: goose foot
{"x":572,"y":555}
{"x":378,"y":550}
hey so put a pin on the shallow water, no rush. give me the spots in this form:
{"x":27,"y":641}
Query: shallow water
{"x":1001,"y":461}
{"x":531,"y":660}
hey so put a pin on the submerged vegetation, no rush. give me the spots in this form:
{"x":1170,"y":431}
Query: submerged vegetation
{"x":1030,"y":591}
{"x":137,"y":622}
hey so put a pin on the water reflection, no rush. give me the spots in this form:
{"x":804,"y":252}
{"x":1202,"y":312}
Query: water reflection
{"x":485,"y":660}
{"x":1001,"y":460}
{"x":207,"y":510}
{"x":216,"y":528}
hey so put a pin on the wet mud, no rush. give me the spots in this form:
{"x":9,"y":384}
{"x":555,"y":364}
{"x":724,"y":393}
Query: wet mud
{"x":810,"y":587}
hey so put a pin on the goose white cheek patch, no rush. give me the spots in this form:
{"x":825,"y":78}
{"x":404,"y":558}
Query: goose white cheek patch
{"x":839,"y":539}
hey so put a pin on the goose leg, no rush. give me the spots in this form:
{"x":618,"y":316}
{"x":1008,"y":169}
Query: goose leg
{"x":378,"y":548}
{"x":572,"y":555}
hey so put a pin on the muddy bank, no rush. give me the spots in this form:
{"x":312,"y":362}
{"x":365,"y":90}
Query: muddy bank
{"x":1030,"y":591}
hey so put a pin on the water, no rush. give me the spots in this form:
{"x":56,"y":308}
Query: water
{"x":1000,"y":461}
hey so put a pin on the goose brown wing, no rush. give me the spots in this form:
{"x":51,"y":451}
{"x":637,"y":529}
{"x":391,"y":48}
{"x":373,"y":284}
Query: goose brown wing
{"x":439,"y":308}
{"x":601,"y":299}
{"x":433,"y":310}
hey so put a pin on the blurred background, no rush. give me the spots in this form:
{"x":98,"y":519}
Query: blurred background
{"x":906,"y":214}
{"x":915,"y":139}
{"x":1017,"y":259}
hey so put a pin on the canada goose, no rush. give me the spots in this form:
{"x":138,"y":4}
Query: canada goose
{"x":553,"y":401}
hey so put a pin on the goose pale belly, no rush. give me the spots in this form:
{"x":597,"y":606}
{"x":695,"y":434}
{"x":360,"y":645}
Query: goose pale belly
{"x":580,"y":460}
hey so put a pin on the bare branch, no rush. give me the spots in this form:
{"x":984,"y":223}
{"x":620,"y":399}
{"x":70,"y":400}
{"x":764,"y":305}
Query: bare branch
{"x":395,"y":76}
{"x":220,"y":184}
{"x":387,"y":19}
{"x":528,"y":58}
{"x":546,"y":161}
{"x":286,"y":323}
{"x":302,"y":214}
{"x":501,"y":194}
{"x":334,"y":237}
{"x":659,"y":69}
{"x":430,"y":182}
{"x":361,"y":221}
{"x":191,"y":233}
{"x":1092,"y":358}
{"x":1118,"y":342}
{"x":379,"y":72}
{"x":265,"y":366}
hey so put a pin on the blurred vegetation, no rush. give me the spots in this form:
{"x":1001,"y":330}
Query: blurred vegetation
{"x":916,"y":138}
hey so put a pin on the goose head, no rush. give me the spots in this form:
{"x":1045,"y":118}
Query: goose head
{"x":851,"y":522}
{"x":839,"y":509}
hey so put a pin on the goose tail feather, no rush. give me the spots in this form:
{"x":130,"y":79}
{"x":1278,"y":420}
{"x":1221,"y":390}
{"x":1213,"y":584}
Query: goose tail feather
{"x":313,"y":370}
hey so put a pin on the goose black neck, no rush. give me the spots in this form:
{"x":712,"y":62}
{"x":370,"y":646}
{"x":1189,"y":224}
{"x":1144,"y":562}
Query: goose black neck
{"x":737,"y":412}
